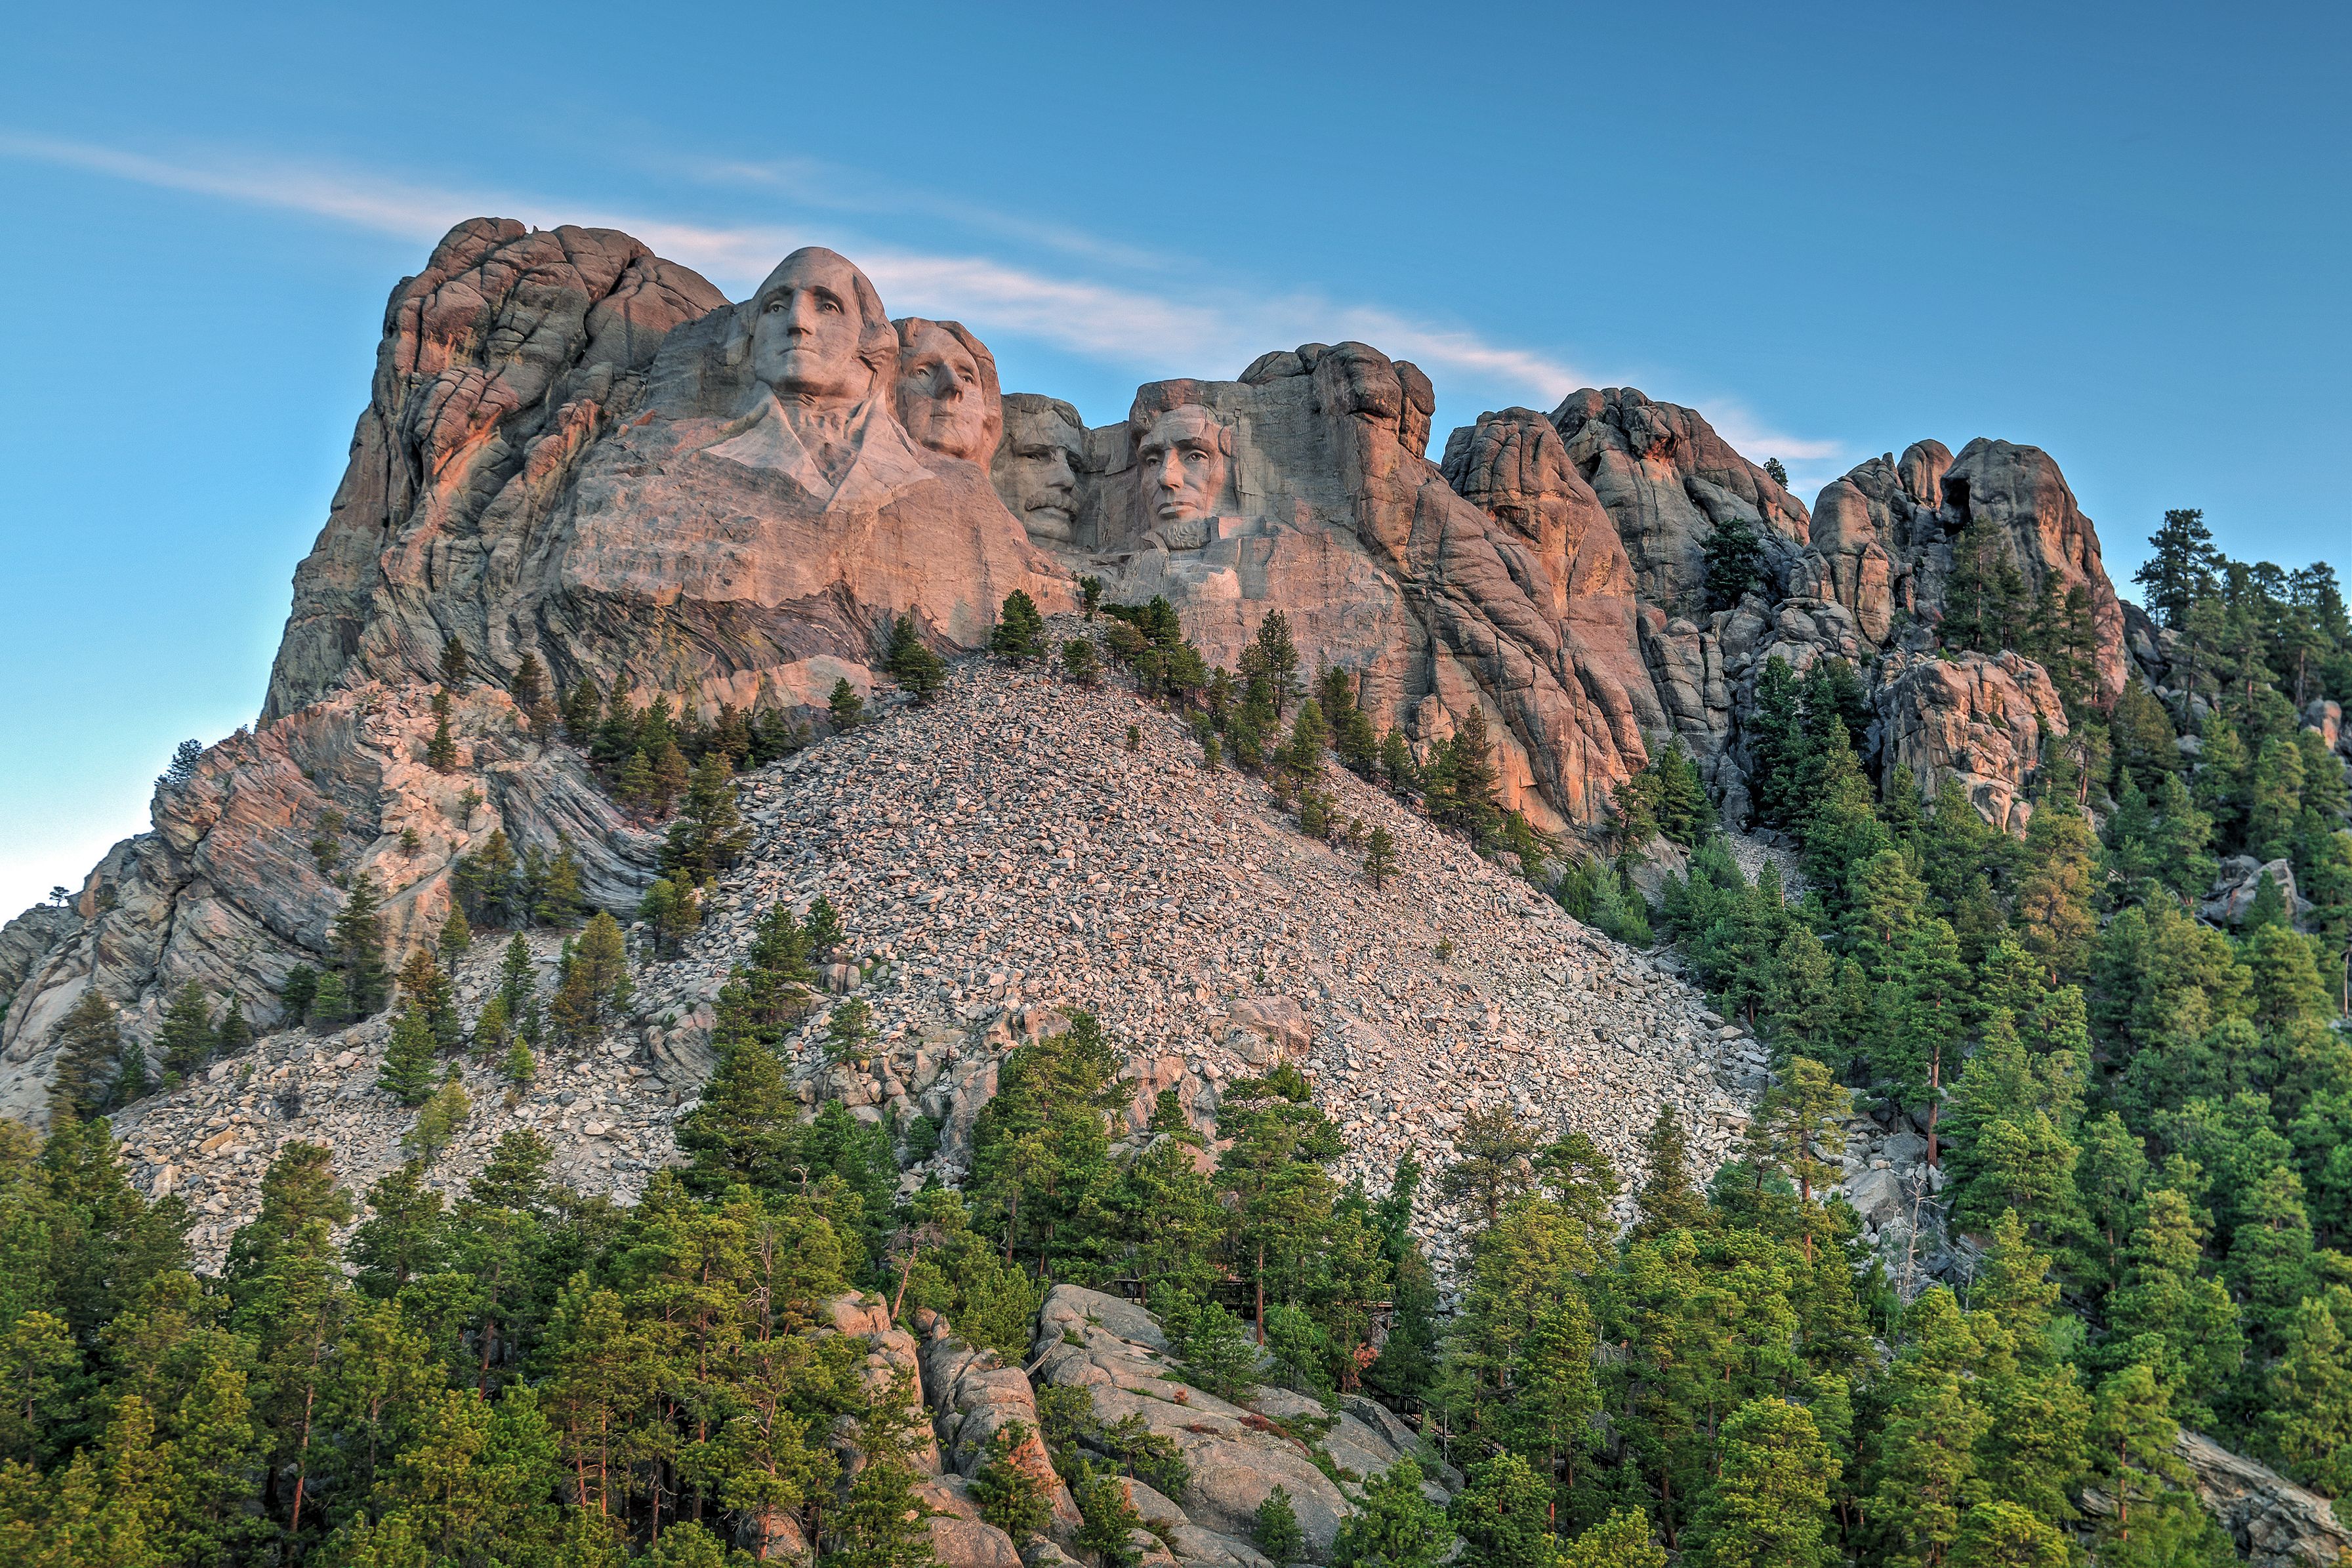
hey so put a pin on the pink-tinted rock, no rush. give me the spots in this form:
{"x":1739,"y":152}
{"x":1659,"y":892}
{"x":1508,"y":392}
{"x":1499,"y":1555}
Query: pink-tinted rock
{"x":1973,"y":717}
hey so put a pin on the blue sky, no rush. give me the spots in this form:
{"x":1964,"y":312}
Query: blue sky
{"x":2118,"y":233}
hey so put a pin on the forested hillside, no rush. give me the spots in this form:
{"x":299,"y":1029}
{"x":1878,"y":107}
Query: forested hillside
{"x":2133,"y":1087}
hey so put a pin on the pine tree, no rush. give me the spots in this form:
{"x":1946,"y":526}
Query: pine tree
{"x":517,"y":975}
{"x":2306,"y":1420}
{"x":1800,"y":1129}
{"x":1469,"y":803}
{"x":1984,"y":595}
{"x":1504,"y":1515}
{"x":484,"y":882}
{"x":1380,"y":857}
{"x":1276,"y":1530}
{"x":1275,"y":656}
{"x":233,"y":1034}
{"x":455,"y":667}
{"x":456,"y":937}
{"x":1666,"y":1201}
{"x":441,"y":750}
{"x":425,"y":987}
{"x":2180,"y":567}
{"x":1920,"y":1011}
{"x":669,"y":914}
{"x":1621,"y":1541}
{"x":1010,"y":1494}
{"x":822,"y":932}
{"x":845,"y":705}
{"x":2164,"y":1314}
{"x":1735,"y":562}
{"x":407,"y":1073}
{"x":186,"y":757}
{"x":1997,"y":1534}
{"x":670,"y":773}
{"x":595,"y":983}
{"x":558,"y":901}
{"x":2133,"y":1435}
{"x":917,"y":670}
{"x":1018,"y":626}
{"x":581,"y":706}
{"x":445,"y":1110}
{"x":133,"y":1080}
{"x":356,"y":948}
{"x":708,"y":835}
{"x":2274,"y":799}
{"x":330,"y":1002}
{"x":186,"y":1039}
{"x":89,"y":1043}
{"x":1395,"y":1526}
{"x":529,"y":687}
{"x":1397,"y":764}
{"x":1771,"y":1509}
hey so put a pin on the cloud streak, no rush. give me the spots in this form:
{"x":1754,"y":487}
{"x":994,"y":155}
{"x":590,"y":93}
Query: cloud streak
{"x":1161,"y":329}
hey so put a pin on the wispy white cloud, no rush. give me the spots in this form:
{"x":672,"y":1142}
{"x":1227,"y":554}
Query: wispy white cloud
{"x":1163,"y":329}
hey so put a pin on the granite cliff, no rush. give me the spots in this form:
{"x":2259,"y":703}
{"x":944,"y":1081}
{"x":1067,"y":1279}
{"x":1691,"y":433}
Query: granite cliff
{"x":578,"y":452}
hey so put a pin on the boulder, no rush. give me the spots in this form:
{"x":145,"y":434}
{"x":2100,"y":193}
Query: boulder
{"x":1236,"y":1456}
{"x":960,"y":1536}
{"x":891,"y":1354}
{"x":2274,"y":1522}
{"x":974,"y":1396}
{"x":2321,"y":715}
{"x":1977,"y":718}
{"x":1878,"y":1197}
{"x":2237,"y":883}
{"x":1269,"y":1029}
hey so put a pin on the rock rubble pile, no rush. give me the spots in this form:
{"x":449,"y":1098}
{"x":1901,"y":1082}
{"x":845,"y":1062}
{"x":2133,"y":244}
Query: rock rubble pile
{"x":999,"y":858}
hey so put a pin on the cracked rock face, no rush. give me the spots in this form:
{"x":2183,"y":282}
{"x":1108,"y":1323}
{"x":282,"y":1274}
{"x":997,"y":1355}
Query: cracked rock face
{"x":576,"y":449}
{"x":237,"y":882}
{"x":571,"y":450}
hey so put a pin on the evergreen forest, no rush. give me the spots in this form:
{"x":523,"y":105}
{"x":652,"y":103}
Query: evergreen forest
{"x":2133,"y":1217}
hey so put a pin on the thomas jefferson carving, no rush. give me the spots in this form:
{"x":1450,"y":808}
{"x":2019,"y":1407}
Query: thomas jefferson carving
{"x":945,"y":391}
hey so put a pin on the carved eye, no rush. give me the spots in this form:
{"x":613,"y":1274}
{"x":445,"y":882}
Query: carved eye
{"x":776,"y":306}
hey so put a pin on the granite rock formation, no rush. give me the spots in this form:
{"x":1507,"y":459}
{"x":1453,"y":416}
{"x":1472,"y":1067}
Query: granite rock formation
{"x":575,"y":449}
{"x":1302,"y":488}
{"x":236,"y":883}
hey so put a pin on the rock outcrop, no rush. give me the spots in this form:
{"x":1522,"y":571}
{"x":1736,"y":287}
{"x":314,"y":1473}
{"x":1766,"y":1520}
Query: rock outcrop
{"x":1306,"y":492}
{"x":2274,"y":1522}
{"x":250,"y":860}
{"x":1234,"y":1455}
{"x":578,"y":451}
{"x":1979,"y":719}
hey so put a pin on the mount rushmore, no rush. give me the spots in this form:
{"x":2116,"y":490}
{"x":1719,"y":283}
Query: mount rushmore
{"x":577,"y":451}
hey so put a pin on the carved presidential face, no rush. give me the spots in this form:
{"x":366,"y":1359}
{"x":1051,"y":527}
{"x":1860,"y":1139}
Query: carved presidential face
{"x":808,"y":321}
{"x":1036,"y":468}
{"x":943,"y":395}
{"x":1181,"y":462}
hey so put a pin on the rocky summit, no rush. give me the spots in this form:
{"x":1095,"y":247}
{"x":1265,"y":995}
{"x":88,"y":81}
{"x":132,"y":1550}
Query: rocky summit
{"x":578,"y":454}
